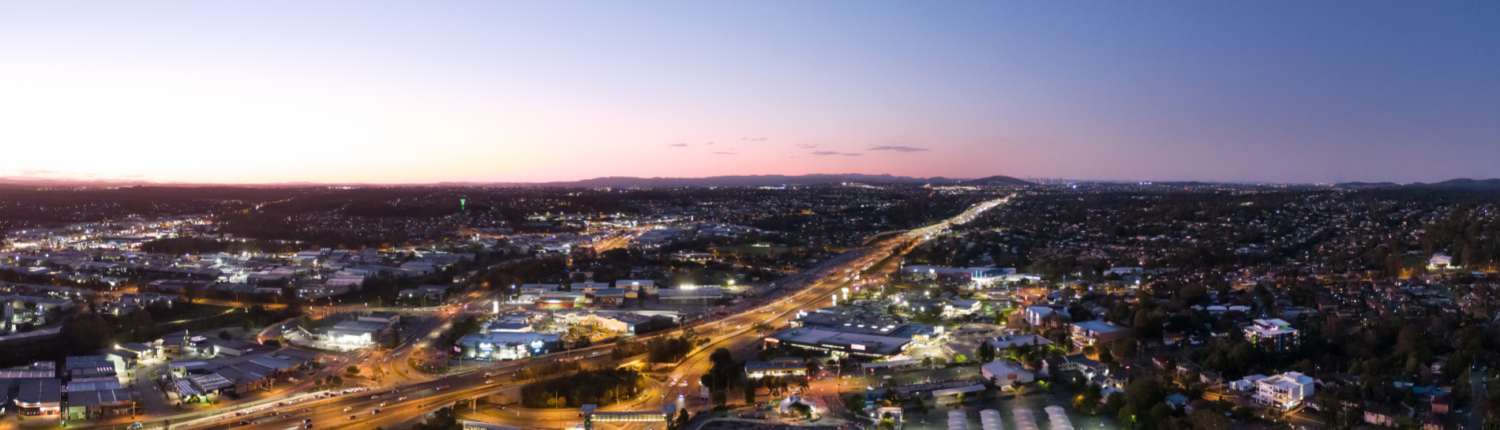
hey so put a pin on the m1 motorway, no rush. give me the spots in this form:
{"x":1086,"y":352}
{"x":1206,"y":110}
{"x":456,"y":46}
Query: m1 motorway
{"x":423,"y":396}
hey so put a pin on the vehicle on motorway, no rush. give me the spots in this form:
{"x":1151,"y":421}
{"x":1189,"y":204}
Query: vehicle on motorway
{"x":375,"y":397}
{"x":353,"y":416}
{"x":347,"y":409}
{"x":307,"y":421}
{"x":374,"y":411}
{"x":489,"y":381}
{"x":403,"y":398}
{"x":244,"y":423}
{"x":382,"y":404}
{"x":307,"y":426}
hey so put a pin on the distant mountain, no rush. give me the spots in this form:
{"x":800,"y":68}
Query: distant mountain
{"x":613,"y":181}
{"x":1363,"y":185}
{"x":742,"y":181}
{"x":997,"y":180}
{"x":1465,"y":183}
{"x":1183,"y":183}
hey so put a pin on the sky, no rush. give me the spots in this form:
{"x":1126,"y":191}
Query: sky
{"x":510,"y":91}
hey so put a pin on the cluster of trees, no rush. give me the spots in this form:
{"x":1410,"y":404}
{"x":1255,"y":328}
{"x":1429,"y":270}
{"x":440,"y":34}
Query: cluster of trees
{"x":545,"y":370}
{"x":599,"y":386}
{"x":681,"y":421}
{"x":443,"y":419}
{"x":521,"y":271}
{"x":725,"y":375}
{"x":659,"y":349}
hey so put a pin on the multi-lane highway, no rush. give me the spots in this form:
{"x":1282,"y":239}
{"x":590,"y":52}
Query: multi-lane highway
{"x":407,"y":394}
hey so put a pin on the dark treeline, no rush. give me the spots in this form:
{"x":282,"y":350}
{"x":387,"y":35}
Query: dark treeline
{"x":599,"y":387}
{"x":190,"y":245}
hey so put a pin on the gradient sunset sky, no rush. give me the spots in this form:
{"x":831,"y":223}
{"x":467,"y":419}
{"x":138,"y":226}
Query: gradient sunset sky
{"x":399,"y":92}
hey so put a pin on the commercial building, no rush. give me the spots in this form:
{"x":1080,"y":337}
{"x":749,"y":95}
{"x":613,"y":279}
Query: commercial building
{"x":980,"y":275}
{"x":1273,"y":335}
{"x":99,"y":403}
{"x":428,"y":291}
{"x":777,"y":367}
{"x":591,"y":414}
{"x":40,"y":397}
{"x":610,"y":296}
{"x":1284,"y":391}
{"x":636,"y":286}
{"x":1005,"y":373}
{"x":1043,"y":315}
{"x":236,"y":374}
{"x":830,"y":319}
{"x":861,"y":345}
{"x":560,"y":299}
{"x":352,"y":334}
{"x":1094,"y":332}
{"x":961,"y":307}
{"x":506,"y":345}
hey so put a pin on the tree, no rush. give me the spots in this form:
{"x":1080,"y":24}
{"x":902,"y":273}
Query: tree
{"x":443,"y":419}
{"x":749,"y":392}
{"x":1114,"y":403}
{"x":351,"y":370}
{"x":1208,"y":419}
{"x":224,"y":334}
{"x":986,"y":352}
{"x":802,"y":410}
{"x":857,"y":404}
{"x":1088,"y":401}
{"x":1127,"y":418}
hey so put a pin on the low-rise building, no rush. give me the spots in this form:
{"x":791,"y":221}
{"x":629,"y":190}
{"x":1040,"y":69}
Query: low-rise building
{"x":864,"y":345}
{"x":1004,"y":373}
{"x":40,"y":397}
{"x":777,"y":367}
{"x":1273,"y":335}
{"x":1095,"y":332}
{"x":1284,"y":391}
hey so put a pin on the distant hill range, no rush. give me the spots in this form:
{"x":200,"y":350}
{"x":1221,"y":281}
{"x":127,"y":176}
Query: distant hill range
{"x":612,"y":182}
{"x":1477,"y":184}
{"x":1461,"y":183}
{"x":742,"y":181}
{"x":997,"y":181}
